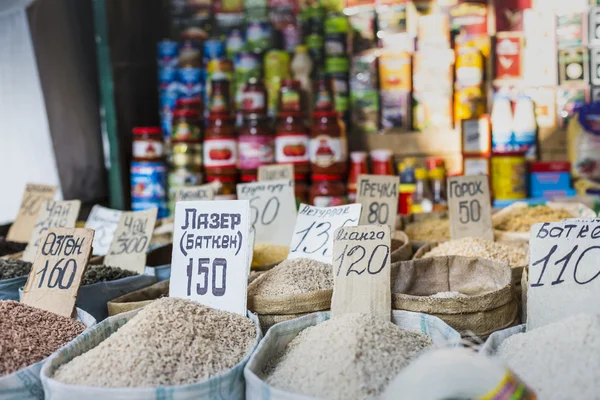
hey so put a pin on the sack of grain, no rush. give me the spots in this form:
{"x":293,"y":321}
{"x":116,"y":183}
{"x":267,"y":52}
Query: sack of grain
{"x":138,"y":299}
{"x":293,"y":287}
{"x":401,"y":248}
{"x":265,"y":256}
{"x":26,"y":383}
{"x":514,"y":222}
{"x":423,"y":228}
{"x":280,"y":335}
{"x":198,"y":346}
{"x":472,"y":295}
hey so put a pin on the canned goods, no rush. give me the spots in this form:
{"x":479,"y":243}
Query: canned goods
{"x":181,"y":177}
{"x":149,"y":186}
{"x":185,"y":155}
{"x":167,"y":53}
{"x":214,"y":49}
{"x":167,"y":81}
{"x":509,"y":176}
{"x":191,"y":82}
{"x":140,"y":204}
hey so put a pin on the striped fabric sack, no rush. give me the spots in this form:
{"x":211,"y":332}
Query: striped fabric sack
{"x":26,"y":383}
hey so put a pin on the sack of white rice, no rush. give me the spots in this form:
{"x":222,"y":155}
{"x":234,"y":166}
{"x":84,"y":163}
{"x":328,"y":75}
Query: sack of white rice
{"x":354,"y":356}
{"x":173,"y":348}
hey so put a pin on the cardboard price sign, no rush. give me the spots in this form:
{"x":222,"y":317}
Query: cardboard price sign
{"x":362,"y":272}
{"x":33,"y":199}
{"x":313,"y":232}
{"x":192,"y":193}
{"x":211,"y":253}
{"x":275,"y":172}
{"x":104,"y":222}
{"x":58,"y":269}
{"x":378,"y":195}
{"x":53,"y":214}
{"x":131,"y":240}
{"x":469,"y":207}
{"x":563,"y":271}
{"x":272,"y":209}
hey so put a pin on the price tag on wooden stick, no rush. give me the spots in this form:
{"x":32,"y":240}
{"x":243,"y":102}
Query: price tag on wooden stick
{"x":378,"y":195}
{"x":211,"y":253}
{"x":272,"y":209}
{"x":564,"y":274}
{"x":193,"y":193}
{"x":275,"y":172}
{"x":58,"y":269}
{"x":469,"y":207}
{"x":53,"y":214}
{"x":33,"y":199}
{"x":104,"y":222}
{"x":361,"y":267}
{"x":132,"y":238}
{"x":313,"y":232}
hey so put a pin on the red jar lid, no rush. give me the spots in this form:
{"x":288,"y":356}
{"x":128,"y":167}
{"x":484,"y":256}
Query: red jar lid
{"x":320,"y":114}
{"x":285,"y":114}
{"x":187,"y":102}
{"x":300,"y":177}
{"x":185,"y":113}
{"x":249,"y":178}
{"x":146,"y":130}
{"x":214,"y":117}
{"x":324,"y":177}
{"x":290,"y":82}
{"x":224,"y":178}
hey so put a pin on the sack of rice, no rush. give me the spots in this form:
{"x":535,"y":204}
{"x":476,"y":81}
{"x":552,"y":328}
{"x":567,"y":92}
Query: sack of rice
{"x":423,"y":228}
{"x":28,"y":336}
{"x":400,"y":247}
{"x":138,"y":299}
{"x":293,"y":287}
{"x":354,"y":356}
{"x":514,"y":222}
{"x":560,"y":360}
{"x":472,"y":295}
{"x":102,"y":283}
{"x":172,"y":348}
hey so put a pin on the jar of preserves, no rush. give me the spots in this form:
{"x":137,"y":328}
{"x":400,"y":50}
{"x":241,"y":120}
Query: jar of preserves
{"x":292,"y":143}
{"x":147,"y":143}
{"x":181,"y":177}
{"x":149,"y":186}
{"x":226,"y":187}
{"x":255,"y":144}
{"x":358,"y":166}
{"x":327,"y":191}
{"x":291,"y":99}
{"x":323,"y":94}
{"x":381,"y":162}
{"x":327,"y":145}
{"x":220,"y":147}
{"x":219,"y":101}
{"x":185,"y":155}
{"x":186,"y":126}
{"x":254,"y":98}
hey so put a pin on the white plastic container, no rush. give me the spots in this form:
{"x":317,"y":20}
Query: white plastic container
{"x":524,"y":126}
{"x":502,"y":123}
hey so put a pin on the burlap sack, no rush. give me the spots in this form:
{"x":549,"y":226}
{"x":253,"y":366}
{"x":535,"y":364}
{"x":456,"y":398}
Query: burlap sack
{"x":405,"y":220}
{"x":490,"y":306}
{"x":138,"y":299}
{"x":401,"y":248}
{"x":578,"y":210}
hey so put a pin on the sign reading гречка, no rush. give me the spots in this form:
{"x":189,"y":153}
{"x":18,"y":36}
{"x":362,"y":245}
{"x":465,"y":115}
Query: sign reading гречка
{"x":211,"y":253}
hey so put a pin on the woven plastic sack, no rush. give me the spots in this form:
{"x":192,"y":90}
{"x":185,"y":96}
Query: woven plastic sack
{"x":227,"y":385}
{"x":490,"y":305}
{"x":492,"y":344}
{"x":138,"y":299}
{"x":278,"y":337}
{"x":26,"y":383}
{"x":9,"y":288}
{"x":401,"y":247}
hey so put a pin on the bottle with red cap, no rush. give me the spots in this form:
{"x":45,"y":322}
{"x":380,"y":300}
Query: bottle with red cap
{"x":358,"y":166}
{"x":382,"y":162}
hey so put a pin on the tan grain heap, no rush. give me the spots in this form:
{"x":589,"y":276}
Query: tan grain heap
{"x":429,"y":230}
{"x":516,"y":254}
{"x":522,"y":219}
{"x":297,"y":276}
{"x":169,"y":342}
{"x":354,"y":356}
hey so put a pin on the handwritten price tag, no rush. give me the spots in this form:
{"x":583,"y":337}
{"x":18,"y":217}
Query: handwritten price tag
{"x":313,"y":232}
{"x":104,"y":222}
{"x":33,"y":199}
{"x":192,"y":193}
{"x":58,"y":269}
{"x":361,"y":266}
{"x":132,"y":238}
{"x":378,"y":195}
{"x":563,"y":271}
{"x":272,"y":209}
{"x":470,"y":208}
{"x":53,"y":214}
{"x":211,"y":253}
{"x":275,"y":172}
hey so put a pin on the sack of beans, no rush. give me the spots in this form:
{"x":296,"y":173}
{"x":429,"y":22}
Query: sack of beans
{"x":423,"y":228}
{"x":293,"y":287}
{"x":172,"y":348}
{"x":354,"y":356}
{"x":138,"y":299}
{"x":472,"y":295}
{"x":102,"y":283}
{"x":401,"y":248}
{"x":514,"y":222}
{"x":10,"y":249}
{"x":28,"y":336}
{"x":516,"y":253}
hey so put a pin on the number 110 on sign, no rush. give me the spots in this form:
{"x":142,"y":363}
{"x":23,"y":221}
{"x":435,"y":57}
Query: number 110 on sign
{"x":212,"y":275}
